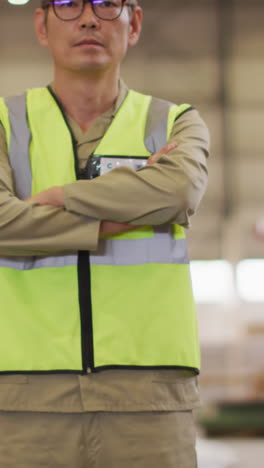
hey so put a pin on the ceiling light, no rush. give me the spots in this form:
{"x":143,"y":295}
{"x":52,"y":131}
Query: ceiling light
{"x":18,"y":2}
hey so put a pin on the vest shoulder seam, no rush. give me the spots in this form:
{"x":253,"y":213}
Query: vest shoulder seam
{"x":184,"y":112}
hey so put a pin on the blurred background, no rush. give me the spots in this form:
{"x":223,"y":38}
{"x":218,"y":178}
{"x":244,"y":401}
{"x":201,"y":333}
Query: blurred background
{"x":208,"y":53}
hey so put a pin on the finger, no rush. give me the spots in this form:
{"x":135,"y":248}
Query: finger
{"x":165,"y":150}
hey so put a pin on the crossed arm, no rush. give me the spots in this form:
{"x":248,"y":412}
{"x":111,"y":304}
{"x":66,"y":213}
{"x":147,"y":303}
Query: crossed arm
{"x":54,"y":196}
{"x":169,"y":190}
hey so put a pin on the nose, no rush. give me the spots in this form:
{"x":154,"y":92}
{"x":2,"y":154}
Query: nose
{"x":88,"y":17}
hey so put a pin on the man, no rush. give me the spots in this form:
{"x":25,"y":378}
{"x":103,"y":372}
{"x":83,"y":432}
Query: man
{"x":99,"y":351}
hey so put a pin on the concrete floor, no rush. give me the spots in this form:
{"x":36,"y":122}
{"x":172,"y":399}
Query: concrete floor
{"x":230,"y":453}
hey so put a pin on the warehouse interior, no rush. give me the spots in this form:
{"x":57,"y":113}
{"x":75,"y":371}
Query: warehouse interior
{"x":208,"y":53}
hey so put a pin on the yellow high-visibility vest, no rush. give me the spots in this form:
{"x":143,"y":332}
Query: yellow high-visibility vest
{"x":127,"y":305}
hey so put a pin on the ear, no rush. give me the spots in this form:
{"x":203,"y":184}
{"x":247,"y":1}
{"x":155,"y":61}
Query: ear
{"x":135,"y":26}
{"x":40,"y":24}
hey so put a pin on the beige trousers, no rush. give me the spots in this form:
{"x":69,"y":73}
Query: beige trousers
{"x":97,"y":440}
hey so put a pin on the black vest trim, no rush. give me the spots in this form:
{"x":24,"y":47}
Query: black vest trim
{"x":84,"y":276}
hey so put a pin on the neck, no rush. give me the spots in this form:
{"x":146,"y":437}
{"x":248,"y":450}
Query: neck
{"x":84,"y":98}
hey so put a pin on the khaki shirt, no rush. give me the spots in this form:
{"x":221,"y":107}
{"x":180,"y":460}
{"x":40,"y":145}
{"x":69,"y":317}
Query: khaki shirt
{"x":171,"y":190}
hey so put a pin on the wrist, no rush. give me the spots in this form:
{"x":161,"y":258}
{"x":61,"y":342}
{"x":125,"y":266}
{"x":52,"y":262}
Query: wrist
{"x":58,"y":196}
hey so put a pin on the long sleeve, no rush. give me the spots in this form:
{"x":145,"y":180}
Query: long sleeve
{"x":30,"y":229}
{"x":168,"y":191}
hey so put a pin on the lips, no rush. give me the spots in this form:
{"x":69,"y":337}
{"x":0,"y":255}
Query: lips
{"x":89,"y":42}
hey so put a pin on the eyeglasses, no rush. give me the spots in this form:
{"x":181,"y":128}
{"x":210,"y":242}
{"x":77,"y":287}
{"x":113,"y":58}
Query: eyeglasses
{"x":68,"y":10}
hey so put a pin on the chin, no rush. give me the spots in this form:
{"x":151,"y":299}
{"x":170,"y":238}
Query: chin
{"x":91,"y":67}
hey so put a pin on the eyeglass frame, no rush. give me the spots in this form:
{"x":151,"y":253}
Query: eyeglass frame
{"x":51,"y":2}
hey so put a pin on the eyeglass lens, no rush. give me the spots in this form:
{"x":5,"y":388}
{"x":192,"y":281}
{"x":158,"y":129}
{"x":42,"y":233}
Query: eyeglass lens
{"x":72,"y":9}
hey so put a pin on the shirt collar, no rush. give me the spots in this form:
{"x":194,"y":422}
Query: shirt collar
{"x":110,"y":113}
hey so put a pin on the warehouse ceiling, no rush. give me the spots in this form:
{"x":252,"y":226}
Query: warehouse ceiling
{"x":205,"y":52}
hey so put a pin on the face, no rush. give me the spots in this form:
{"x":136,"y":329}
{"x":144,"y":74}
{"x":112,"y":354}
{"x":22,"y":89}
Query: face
{"x":88,"y":43}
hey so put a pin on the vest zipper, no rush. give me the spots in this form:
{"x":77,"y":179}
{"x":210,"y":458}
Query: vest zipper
{"x":84,"y":277}
{"x":85,"y":311}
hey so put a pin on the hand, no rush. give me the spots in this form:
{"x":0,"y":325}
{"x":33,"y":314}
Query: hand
{"x":52,"y":196}
{"x":108,"y":228}
{"x":165,"y":150}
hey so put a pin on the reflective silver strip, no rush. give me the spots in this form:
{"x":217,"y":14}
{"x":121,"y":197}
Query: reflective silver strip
{"x":19,"y":145}
{"x":31,"y":263}
{"x":162,"y":248}
{"x":156,"y":126}
{"x":20,"y":162}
